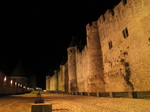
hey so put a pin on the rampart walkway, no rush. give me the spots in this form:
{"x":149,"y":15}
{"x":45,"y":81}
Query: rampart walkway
{"x":74,"y":103}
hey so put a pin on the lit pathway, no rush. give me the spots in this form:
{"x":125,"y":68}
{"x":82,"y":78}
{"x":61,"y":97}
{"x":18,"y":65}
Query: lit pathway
{"x":74,"y":103}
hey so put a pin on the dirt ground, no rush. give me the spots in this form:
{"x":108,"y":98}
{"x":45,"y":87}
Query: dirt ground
{"x":74,"y":103}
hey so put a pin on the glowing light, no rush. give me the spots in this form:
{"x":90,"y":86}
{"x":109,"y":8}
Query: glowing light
{"x":18,"y":84}
{"x":15,"y":83}
{"x":44,"y":90}
{"x":5,"y":78}
{"x":11,"y":81}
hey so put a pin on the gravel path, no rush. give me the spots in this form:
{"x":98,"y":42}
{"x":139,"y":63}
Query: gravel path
{"x":74,"y":103}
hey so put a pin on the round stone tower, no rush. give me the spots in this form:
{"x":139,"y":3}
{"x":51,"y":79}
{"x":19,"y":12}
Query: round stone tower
{"x":95,"y":74}
{"x":72,"y":86}
{"x":47,"y":83}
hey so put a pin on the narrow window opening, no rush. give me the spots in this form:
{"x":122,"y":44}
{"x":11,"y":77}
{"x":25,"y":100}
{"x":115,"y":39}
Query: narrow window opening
{"x":149,"y":39}
{"x":110,"y":45}
{"x":125,"y":33}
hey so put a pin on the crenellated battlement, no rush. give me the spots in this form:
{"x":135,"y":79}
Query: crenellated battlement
{"x":115,"y":56}
{"x":91,"y":27}
{"x":120,"y":17}
{"x":110,"y":14}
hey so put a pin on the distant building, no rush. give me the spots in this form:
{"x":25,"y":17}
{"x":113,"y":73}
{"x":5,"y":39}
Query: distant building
{"x":19,"y":76}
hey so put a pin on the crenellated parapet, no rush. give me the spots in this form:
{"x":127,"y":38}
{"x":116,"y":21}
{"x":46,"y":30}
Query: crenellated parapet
{"x":91,"y":27}
{"x":122,"y":30}
{"x":124,"y":13}
{"x":115,"y":57}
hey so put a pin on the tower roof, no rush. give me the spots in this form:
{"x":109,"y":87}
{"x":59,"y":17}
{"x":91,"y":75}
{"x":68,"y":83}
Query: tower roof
{"x":19,"y":70}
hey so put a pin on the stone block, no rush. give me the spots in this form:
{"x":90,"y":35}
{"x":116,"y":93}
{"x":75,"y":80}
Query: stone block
{"x":41,"y":108}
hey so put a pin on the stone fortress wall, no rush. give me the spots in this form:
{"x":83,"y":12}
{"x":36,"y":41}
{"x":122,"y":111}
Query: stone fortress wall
{"x":116,"y":57}
{"x":125,"y":46}
{"x":10,"y":86}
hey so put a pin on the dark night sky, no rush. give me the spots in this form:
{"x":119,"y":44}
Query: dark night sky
{"x":39,"y":32}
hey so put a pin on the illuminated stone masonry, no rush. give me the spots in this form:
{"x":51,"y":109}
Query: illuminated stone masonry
{"x":116,"y":57}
